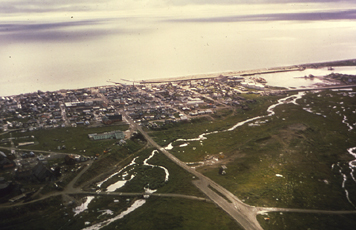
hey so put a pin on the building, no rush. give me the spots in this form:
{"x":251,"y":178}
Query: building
{"x":42,"y":173}
{"x":117,"y":134}
{"x":5,"y":162}
{"x":252,"y":85}
{"x":111,"y":118}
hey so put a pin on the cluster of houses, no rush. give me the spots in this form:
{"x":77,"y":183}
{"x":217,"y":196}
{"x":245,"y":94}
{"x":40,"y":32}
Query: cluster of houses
{"x":41,"y":110}
{"x":145,"y":103}
{"x":179,"y":100}
{"x":142,"y":102}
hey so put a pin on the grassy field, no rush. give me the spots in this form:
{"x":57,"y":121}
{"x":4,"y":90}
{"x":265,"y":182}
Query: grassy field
{"x":179,"y":181}
{"x":297,"y":221}
{"x":75,"y":139}
{"x":173,"y":213}
{"x":292,"y":160}
{"x":156,"y":213}
{"x":121,"y":155}
{"x":224,"y":119}
{"x":285,"y":162}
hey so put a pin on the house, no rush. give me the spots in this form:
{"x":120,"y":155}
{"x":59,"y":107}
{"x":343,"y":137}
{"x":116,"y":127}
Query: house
{"x":111,"y":118}
{"x":70,"y":159}
{"x":41,"y":172}
{"x":5,"y":162}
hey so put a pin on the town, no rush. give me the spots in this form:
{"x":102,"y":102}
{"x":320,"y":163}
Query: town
{"x":168,"y":102}
{"x":82,"y":127}
{"x":152,"y":105}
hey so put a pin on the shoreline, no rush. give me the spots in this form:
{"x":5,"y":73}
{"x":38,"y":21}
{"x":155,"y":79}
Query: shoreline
{"x":243,"y":73}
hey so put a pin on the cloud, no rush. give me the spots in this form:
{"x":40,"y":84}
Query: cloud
{"x":65,"y":31}
{"x":237,"y":2}
{"x":312,"y":16}
{"x":28,"y":6}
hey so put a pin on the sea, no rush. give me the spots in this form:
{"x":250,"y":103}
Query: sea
{"x":75,"y":51}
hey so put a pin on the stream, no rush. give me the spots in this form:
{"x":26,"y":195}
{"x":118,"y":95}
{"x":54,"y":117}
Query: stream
{"x":133,"y":207}
{"x":255,"y":121}
{"x":270,"y":110}
{"x":124,"y":174}
{"x":290,"y":99}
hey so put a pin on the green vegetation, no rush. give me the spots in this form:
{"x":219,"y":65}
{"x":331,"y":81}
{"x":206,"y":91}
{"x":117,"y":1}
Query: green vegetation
{"x":225,"y":119}
{"x":32,"y":216}
{"x":300,"y":146}
{"x":289,"y":161}
{"x":117,"y":156}
{"x":156,"y":213}
{"x":75,"y":140}
{"x":297,"y":221}
{"x":179,"y":180}
{"x":293,"y":159}
{"x":175,"y":213}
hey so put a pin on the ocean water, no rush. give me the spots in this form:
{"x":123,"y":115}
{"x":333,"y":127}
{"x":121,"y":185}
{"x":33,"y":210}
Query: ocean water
{"x":69,"y":50}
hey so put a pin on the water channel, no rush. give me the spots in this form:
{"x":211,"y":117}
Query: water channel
{"x":126,"y":174}
{"x":296,"y":79}
{"x":258,"y":120}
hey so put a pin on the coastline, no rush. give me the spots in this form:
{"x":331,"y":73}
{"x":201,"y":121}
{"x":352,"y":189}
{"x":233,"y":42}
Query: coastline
{"x":301,"y":67}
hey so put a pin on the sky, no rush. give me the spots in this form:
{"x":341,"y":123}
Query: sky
{"x":50,"y":45}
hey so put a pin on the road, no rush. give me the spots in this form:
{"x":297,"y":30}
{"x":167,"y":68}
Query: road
{"x":244,"y":214}
{"x":64,"y":115}
{"x":206,"y":97}
{"x":321,"y":88}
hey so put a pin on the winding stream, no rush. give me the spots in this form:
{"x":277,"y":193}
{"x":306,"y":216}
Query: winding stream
{"x":125,"y":172}
{"x":270,"y":110}
{"x":158,"y":166}
{"x":127,"y":169}
{"x":290,"y":99}
{"x":133,"y":207}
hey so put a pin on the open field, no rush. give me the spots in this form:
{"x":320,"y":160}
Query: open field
{"x":296,"y":157}
{"x":293,"y":160}
{"x":75,"y":139}
{"x":156,"y":213}
{"x":296,"y":221}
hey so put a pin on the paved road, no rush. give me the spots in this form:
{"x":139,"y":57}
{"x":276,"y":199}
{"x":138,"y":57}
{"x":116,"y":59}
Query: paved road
{"x":321,"y":88}
{"x":244,"y":214}
{"x":263,"y":210}
{"x":52,"y":154}
{"x":64,"y":115}
{"x":206,"y":97}
{"x":137,"y":194}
